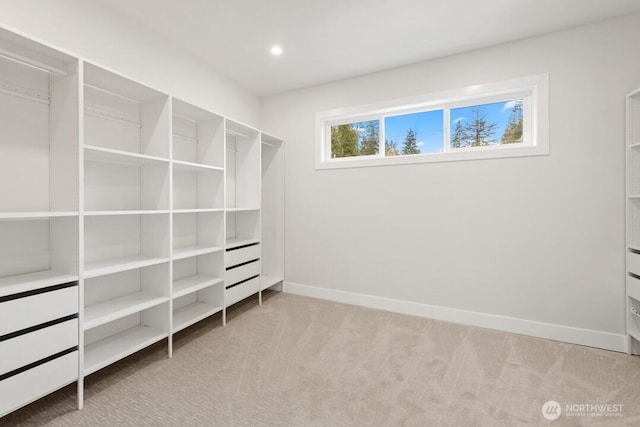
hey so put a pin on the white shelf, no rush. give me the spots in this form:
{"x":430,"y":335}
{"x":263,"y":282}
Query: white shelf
{"x":192,"y":313}
{"x":269,"y":281}
{"x":111,"y":349}
{"x":190,"y":251}
{"x":634,"y":196}
{"x":110,"y":310}
{"x":207,"y":210}
{"x":35,"y":215}
{"x":131,"y":212}
{"x":635,"y":145}
{"x":194,"y":167}
{"x":242,"y":209}
{"x":108,"y":155}
{"x":28,"y":282}
{"x":120,"y":264}
{"x":192,"y":284}
{"x":234,"y":243}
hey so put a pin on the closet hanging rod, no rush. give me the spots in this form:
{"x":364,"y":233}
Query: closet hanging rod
{"x":268,"y":144}
{"x":112,"y":93}
{"x":236,"y":133}
{"x":23,"y":93}
{"x":95,"y":112}
{"x":30,"y":62}
{"x":188,"y":138}
{"x":185,"y":118}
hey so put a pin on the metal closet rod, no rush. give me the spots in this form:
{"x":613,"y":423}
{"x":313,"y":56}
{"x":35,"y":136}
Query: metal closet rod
{"x":96,"y":112}
{"x":30,"y":62}
{"x":236,"y":133}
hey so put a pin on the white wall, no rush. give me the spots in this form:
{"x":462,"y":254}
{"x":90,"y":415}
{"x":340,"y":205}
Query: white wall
{"x":84,"y":28}
{"x":537,"y":238}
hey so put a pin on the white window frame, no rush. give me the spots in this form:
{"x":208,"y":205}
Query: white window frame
{"x":533,"y":89}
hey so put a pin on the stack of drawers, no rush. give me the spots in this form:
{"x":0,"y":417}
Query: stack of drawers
{"x":242,"y":273}
{"x":38,"y":343}
{"x":633,"y":302}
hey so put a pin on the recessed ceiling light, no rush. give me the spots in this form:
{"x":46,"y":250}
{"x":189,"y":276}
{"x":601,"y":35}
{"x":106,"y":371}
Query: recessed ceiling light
{"x":276,"y":50}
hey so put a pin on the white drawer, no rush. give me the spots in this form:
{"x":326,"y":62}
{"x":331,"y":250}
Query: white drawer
{"x":239,"y":274}
{"x":633,"y":263}
{"x":238,"y":256}
{"x":633,"y":287}
{"x":30,"y":311}
{"x":18,"y":390}
{"x":242,"y":291}
{"x":28,"y":348}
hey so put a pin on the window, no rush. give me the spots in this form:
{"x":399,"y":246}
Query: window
{"x":485,"y":125}
{"x":414,"y":133}
{"x":355,"y":139}
{"x":504,"y":119}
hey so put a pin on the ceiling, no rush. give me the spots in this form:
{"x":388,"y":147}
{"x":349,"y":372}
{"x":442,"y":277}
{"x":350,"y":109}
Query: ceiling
{"x":329,"y":40}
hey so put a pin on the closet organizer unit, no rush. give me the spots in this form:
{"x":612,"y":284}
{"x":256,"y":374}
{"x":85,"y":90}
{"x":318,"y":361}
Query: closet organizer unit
{"x":126,"y":217}
{"x":272,"y":214}
{"x":39,"y":231}
{"x":198,"y":214}
{"x":254,"y":253}
{"x":242,"y":251}
{"x":633,"y":221}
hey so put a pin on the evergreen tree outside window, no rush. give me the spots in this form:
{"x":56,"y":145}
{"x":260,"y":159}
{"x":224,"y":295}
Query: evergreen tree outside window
{"x":415,"y":133}
{"x":487,"y":124}
{"x":355,"y":139}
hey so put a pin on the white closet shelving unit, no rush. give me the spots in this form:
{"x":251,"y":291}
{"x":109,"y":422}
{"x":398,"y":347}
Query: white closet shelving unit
{"x":272,"y":213}
{"x":242,"y":250}
{"x":633,"y":221}
{"x":39,"y":220}
{"x":254,"y":253}
{"x":126,"y":215}
{"x":198,"y":214}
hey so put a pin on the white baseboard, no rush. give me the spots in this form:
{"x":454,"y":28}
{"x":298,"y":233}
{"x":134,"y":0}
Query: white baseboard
{"x":587,"y":337}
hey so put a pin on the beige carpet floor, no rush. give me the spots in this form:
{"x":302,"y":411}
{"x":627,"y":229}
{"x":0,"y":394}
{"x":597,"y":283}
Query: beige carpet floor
{"x":298,"y":361}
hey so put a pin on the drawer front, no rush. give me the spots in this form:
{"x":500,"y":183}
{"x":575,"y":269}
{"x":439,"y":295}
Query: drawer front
{"x":241,"y":291}
{"x":29,"y":311}
{"x":239,"y":274}
{"x":633,"y":287}
{"x":238,"y":256}
{"x":633,"y":263}
{"x":18,"y":390}
{"x":28,"y":348}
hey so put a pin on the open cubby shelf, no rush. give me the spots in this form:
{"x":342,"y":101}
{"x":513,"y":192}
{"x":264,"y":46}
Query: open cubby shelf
{"x":116,"y":265}
{"x":116,"y":308}
{"x":194,"y":167}
{"x":119,"y":157}
{"x":191,"y":251}
{"x":267,"y":282}
{"x":102,"y":353}
{"x":11,"y":216}
{"x":189,"y":314}
{"x":191,"y":284}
